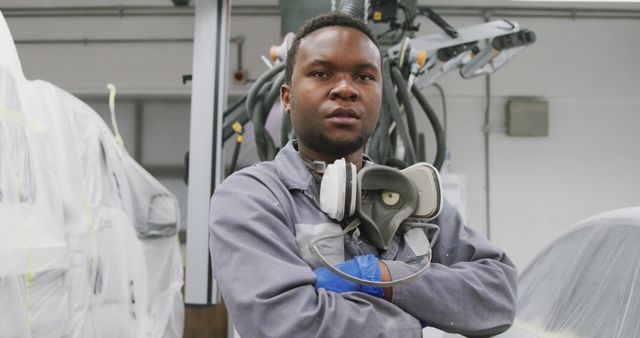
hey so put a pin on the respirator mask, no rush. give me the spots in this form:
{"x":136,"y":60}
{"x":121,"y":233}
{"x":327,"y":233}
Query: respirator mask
{"x":377,"y":202}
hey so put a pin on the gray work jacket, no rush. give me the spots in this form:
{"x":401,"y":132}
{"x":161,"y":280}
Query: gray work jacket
{"x":261,"y":219}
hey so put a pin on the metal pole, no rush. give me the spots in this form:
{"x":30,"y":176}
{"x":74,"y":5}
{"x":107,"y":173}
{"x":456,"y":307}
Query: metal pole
{"x":208,"y":100}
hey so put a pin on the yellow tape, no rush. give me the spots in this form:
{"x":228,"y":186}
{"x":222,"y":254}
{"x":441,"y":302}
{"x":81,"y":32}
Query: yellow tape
{"x":28,"y":281}
{"x":29,"y":274}
{"x":119,"y":140}
{"x":20,"y":119}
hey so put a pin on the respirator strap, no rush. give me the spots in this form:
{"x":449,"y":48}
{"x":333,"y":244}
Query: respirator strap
{"x":352,"y":226}
{"x":317,"y":167}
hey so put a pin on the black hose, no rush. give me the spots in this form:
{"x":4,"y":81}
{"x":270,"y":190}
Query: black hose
{"x":260,"y":99}
{"x":444,"y":107}
{"x":379,"y":147}
{"x":228,"y":131}
{"x":396,"y":163}
{"x":242,"y":118}
{"x":261,"y":117}
{"x":421,"y":148}
{"x":259,"y":130}
{"x":285,"y":127}
{"x":257,"y":86}
{"x":403,"y":93}
{"x":354,"y":8}
{"x":235,"y":106}
{"x":389,"y":96}
{"x":435,"y":124}
{"x":373,"y":148}
{"x":272,"y":95}
{"x":264,"y":142}
{"x":234,"y":159}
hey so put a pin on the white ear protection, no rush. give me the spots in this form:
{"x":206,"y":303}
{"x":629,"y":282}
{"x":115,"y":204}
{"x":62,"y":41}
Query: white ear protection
{"x":338,"y":190}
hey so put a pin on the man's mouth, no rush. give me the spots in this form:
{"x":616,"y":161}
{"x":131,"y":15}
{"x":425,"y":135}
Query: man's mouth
{"x":342,"y":112}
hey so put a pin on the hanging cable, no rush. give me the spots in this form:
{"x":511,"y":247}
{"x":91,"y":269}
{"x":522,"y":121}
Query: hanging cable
{"x":487,"y":149}
{"x":353,"y":8}
{"x":285,"y":126}
{"x":403,"y":94}
{"x":435,"y":124}
{"x":241,"y":117}
{"x":444,"y":108}
{"x":235,"y":106}
{"x":389,"y":95}
{"x":260,"y":100}
{"x":239,"y":131}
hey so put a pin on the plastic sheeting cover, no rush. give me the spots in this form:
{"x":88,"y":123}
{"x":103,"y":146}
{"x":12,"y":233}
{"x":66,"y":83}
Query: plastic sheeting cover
{"x":586,"y":283}
{"x":88,"y":244}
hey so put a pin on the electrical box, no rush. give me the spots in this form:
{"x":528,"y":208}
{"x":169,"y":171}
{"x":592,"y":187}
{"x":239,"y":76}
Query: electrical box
{"x":528,"y":118}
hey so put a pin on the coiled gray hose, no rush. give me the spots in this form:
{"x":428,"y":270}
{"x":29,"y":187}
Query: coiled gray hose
{"x":260,"y":99}
{"x":354,"y":8}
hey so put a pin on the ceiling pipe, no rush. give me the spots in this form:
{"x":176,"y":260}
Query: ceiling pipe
{"x":121,"y":11}
{"x":274,"y":10}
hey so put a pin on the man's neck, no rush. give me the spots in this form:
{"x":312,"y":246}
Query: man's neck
{"x":310,"y":154}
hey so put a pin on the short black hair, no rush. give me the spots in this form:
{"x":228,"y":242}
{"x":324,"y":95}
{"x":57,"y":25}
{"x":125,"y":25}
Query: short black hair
{"x":333,"y":18}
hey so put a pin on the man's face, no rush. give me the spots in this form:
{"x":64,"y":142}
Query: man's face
{"x":335,"y":91}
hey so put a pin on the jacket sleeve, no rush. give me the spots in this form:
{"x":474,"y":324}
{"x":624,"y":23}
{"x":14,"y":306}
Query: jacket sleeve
{"x":470,"y":288}
{"x":267,"y":287}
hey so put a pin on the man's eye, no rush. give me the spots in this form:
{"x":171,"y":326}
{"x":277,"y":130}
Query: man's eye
{"x":365,"y":77}
{"x":321,"y":75}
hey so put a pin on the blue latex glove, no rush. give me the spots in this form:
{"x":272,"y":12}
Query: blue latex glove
{"x":363,"y":267}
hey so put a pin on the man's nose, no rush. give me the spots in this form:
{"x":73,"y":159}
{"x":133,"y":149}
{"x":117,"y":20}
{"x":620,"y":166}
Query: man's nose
{"x":344,"y":90}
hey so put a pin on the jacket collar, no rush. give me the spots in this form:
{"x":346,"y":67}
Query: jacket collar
{"x":292,"y":170}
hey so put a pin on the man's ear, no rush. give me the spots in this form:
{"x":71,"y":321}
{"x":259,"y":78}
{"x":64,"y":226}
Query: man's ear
{"x":285,"y":97}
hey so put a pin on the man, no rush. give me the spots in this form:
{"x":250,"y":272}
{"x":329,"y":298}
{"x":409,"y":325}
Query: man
{"x":263,"y":217}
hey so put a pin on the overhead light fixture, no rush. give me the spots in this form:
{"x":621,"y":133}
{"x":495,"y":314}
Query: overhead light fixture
{"x":498,"y":53}
{"x":447,"y":60}
{"x":446,"y":53}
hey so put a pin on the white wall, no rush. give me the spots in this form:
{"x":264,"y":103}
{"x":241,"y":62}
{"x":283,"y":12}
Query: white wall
{"x":588,"y":72}
{"x":586,"y":69}
{"x":135,"y":68}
